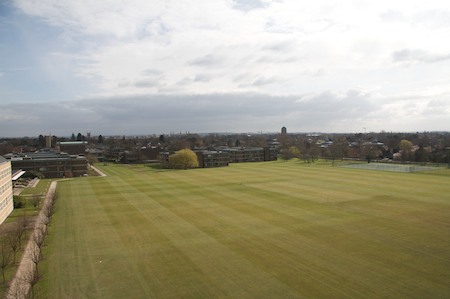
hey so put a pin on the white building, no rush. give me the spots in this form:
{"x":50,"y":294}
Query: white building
{"x":6,"y":191}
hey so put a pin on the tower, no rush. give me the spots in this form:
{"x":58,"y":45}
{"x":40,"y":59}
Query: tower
{"x":48,"y":141}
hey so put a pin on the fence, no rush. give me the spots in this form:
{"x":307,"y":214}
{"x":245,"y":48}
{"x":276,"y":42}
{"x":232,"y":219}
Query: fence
{"x":387,"y":166}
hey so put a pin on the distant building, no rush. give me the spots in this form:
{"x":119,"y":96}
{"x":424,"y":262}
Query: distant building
{"x":73,"y":147}
{"x":50,"y":164}
{"x":208,"y":159}
{"x":113,"y":154}
{"x":270,"y":153}
{"x":150,"y":153}
{"x":224,"y":155}
{"x":6,"y":192}
{"x":283,"y":130}
{"x":250,"y":154}
{"x":48,"y":141}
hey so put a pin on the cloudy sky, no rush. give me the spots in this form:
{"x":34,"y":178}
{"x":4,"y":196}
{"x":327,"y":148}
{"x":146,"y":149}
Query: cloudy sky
{"x":154,"y":66}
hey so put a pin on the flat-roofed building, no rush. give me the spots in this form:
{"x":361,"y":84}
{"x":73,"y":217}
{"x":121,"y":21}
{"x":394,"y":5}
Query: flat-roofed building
{"x":208,"y":159}
{"x":246,"y":154}
{"x":224,"y":155}
{"x":50,"y":164}
{"x":6,"y":191}
{"x":250,"y":154}
{"x":73,"y":147}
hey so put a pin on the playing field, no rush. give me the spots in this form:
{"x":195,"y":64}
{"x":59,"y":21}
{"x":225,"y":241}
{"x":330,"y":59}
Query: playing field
{"x":254,"y":230}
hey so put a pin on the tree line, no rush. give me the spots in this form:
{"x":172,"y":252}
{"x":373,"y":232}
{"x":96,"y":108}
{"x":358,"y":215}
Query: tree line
{"x":426,"y":146}
{"x":13,"y":241}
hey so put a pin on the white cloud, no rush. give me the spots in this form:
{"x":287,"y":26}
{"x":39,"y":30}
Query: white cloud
{"x":277,"y":49}
{"x":418,"y":56}
{"x":176,"y":37}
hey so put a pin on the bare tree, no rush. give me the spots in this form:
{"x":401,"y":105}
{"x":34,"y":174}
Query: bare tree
{"x":339,"y":149}
{"x":22,"y":225}
{"x":55,"y":197}
{"x":17,"y":290}
{"x":38,"y":239}
{"x":49,"y":210}
{"x":35,"y":201}
{"x":31,"y":277}
{"x":5,"y":259}
{"x":43,"y":229}
{"x":14,"y":242}
{"x":406,"y":147}
{"x":35,"y":257}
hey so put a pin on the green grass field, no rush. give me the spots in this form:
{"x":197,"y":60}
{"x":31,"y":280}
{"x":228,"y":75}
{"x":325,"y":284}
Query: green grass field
{"x":254,"y":230}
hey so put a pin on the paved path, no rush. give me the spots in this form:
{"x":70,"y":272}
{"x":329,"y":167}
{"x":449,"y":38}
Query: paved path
{"x":19,"y":288}
{"x":33,"y":183}
{"x":101,"y":173}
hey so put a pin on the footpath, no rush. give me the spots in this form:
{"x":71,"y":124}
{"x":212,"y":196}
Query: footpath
{"x":100,"y":173}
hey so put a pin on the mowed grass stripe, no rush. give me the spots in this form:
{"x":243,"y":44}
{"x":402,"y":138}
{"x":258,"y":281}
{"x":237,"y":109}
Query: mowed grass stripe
{"x":174,"y":197}
{"x":255,"y":228}
{"x":229,"y":289}
{"x":391,"y":229}
{"x":230,"y":273}
{"x":177,"y":205}
{"x":251,"y":237}
{"x":330,"y":234}
{"x":159,"y":263}
{"x":73,"y":250}
{"x":117,"y":257}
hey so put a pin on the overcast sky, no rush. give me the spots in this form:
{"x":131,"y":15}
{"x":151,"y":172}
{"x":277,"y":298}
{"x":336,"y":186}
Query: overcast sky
{"x":153,"y":66}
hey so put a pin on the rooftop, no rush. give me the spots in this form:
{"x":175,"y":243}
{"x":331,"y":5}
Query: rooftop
{"x":72,"y":142}
{"x":39,"y":155}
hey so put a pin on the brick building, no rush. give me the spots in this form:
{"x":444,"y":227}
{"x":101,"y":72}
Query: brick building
{"x":208,"y":159}
{"x":250,"y":154}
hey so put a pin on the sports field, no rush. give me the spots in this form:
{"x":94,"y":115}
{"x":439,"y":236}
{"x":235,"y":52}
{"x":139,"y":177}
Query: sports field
{"x":253,"y":230}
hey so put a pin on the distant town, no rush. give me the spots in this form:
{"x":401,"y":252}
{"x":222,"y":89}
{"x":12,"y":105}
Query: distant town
{"x":48,"y":156}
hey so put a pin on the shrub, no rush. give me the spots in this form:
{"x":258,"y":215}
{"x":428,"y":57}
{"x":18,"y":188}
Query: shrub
{"x":18,"y":202}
